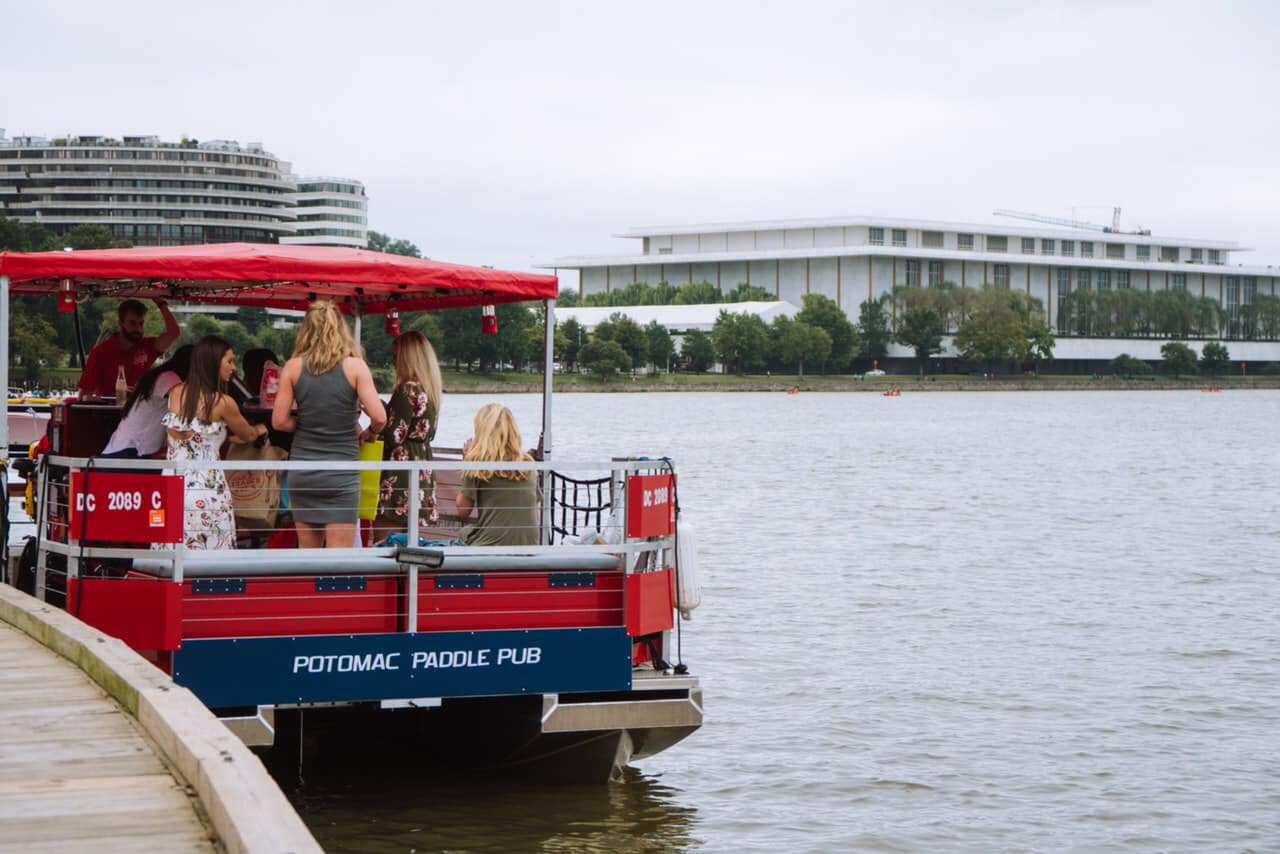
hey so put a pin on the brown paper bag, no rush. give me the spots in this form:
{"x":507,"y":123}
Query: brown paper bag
{"x":255,"y":495}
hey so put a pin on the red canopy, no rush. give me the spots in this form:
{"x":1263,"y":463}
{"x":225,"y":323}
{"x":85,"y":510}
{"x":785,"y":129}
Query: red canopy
{"x":273,"y":276}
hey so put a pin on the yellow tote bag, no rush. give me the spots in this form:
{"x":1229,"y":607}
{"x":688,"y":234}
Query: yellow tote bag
{"x":370,"y":480}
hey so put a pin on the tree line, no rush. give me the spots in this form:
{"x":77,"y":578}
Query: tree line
{"x":1130,"y":313}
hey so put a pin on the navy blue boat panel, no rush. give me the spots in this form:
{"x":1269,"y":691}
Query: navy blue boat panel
{"x":318,"y":669}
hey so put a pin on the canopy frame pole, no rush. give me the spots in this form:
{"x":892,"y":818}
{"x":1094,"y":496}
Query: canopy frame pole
{"x":357,"y":321}
{"x":548,"y":376}
{"x":4,"y":365}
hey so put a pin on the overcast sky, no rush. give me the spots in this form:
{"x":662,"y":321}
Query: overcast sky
{"x":515,"y":133}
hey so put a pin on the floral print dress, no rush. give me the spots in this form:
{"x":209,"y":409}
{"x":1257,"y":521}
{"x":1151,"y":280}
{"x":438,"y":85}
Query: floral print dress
{"x":411,"y":425}
{"x":209,"y":519}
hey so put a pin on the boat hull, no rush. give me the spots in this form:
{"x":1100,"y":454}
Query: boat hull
{"x":565,"y":738}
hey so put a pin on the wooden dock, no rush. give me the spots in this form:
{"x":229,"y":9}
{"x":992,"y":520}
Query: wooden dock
{"x":76,"y":771}
{"x":100,"y":751}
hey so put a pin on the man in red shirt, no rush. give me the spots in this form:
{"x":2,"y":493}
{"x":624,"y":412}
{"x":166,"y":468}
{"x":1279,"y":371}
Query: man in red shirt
{"x":127,"y":347}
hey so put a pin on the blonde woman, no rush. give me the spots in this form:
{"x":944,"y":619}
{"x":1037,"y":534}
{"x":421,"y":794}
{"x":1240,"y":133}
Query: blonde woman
{"x":412,"y":415}
{"x":506,"y":502}
{"x":331,"y":384}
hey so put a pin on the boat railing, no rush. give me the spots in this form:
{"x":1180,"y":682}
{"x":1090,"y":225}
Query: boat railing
{"x":583,"y":528}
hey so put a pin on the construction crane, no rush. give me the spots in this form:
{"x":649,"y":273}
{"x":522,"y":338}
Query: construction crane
{"x":1114,"y":228}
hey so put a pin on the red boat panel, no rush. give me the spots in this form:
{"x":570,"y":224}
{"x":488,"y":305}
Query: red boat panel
{"x":270,"y":607}
{"x":145,"y":614}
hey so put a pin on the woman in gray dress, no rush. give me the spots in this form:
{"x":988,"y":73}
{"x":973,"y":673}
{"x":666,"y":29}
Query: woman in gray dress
{"x":331,"y":384}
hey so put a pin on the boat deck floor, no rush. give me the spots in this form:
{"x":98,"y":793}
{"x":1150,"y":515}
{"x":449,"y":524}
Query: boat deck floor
{"x":76,"y":771}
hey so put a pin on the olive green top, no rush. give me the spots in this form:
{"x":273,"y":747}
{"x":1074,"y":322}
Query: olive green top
{"x":506,"y":511}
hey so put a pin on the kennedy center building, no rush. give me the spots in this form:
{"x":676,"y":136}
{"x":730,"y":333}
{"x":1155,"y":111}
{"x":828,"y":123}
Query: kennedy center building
{"x":852,"y":259}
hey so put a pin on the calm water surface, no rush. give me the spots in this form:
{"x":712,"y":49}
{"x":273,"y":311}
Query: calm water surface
{"x":1014,"y":621}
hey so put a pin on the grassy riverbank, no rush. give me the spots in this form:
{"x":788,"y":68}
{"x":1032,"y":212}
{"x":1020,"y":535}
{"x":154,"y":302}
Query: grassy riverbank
{"x":463,"y":383}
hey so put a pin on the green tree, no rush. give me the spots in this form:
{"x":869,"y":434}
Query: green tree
{"x":33,"y":344}
{"x":1268,"y":309}
{"x":824,"y":313}
{"x":1178,"y":358}
{"x":636,"y":293}
{"x":238,"y":337}
{"x":605,"y":358}
{"x":749,"y":293}
{"x":278,"y":341}
{"x":873,"y":329}
{"x":702,"y":293}
{"x":252,"y":318}
{"x":629,"y":335}
{"x":921,"y":329}
{"x":1040,"y":342}
{"x":573,"y":338}
{"x":519,"y":334}
{"x":1127,"y":366}
{"x":796,"y":342}
{"x":740,"y":340}
{"x":697,"y":350}
{"x":994,"y":332}
{"x":428,"y":323}
{"x":568,"y":298}
{"x":1214,"y":357}
{"x":380,"y":242}
{"x":661,"y":347}
{"x":89,"y":237}
{"x":197,"y":327}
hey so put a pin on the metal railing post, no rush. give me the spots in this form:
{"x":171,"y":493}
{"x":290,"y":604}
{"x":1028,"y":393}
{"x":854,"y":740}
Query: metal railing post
{"x":411,"y":540}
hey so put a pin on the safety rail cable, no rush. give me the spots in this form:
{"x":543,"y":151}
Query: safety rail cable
{"x":168,"y":563}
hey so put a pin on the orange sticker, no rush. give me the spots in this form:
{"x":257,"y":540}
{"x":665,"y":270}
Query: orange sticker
{"x":157,"y":518}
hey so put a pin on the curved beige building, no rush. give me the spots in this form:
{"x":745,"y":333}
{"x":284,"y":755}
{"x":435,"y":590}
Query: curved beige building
{"x":148,"y":192}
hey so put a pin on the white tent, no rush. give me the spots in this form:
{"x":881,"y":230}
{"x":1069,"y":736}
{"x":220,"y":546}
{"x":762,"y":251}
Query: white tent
{"x":677,"y":318}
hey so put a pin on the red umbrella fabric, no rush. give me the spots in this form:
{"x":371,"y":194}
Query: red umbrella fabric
{"x":273,"y":276}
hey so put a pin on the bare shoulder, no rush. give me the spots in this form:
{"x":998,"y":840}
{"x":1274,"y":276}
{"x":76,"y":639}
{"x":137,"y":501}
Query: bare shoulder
{"x":354,"y":368}
{"x":292,"y":368}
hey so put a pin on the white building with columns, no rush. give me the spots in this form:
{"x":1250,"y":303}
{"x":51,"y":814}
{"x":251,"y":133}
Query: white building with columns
{"x":852,"y":259}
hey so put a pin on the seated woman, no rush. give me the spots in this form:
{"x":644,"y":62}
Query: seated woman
{"x":506,"y":502}
{"x":200,"y":414}
{"x":412,"y":415}
{"x":140,"y":433}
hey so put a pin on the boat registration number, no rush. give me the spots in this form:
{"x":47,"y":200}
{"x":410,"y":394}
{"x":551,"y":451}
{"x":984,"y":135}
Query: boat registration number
{"x":126,"y":508}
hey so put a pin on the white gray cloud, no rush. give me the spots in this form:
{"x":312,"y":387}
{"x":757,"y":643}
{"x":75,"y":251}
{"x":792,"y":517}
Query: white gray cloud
{"x":509,"y":133}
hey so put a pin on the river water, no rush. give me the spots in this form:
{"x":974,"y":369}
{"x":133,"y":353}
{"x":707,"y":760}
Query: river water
{"x":946,"y":621}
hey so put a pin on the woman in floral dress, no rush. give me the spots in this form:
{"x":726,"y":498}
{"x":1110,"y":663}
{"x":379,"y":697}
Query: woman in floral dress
{"x":200,"y":414}
{"x":412,"y":415}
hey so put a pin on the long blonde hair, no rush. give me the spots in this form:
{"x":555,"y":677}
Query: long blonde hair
{"x":497,"y":439}
{"x":324,"y":339}
{"x":416,"y":361}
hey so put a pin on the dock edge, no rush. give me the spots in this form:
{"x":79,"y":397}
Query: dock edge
{"x":248,"y":811}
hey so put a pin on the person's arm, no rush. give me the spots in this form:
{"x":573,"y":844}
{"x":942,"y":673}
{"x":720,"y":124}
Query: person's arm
{"x":367,"y":392}
{"x":397,"y":416}
{"x":282,"y":417}
{"x":89,"y":376}
{"x":171,"y":329}
{"x":465,"y":499}
{"x":242,"y":432}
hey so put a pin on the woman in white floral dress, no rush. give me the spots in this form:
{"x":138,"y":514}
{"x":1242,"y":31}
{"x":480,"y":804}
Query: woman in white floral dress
{"x":200,"y":414}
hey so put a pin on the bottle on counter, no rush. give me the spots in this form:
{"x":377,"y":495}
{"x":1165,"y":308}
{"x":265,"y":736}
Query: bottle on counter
{"x":122,"y":387}
{"x":270,"y":383}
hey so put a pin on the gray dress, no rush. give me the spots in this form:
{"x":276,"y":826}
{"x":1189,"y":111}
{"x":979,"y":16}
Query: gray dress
{"x":327,"y":416}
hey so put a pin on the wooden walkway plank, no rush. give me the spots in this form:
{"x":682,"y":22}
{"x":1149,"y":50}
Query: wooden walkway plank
{"x":87,"y":779}
{"x":101,"y":752}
